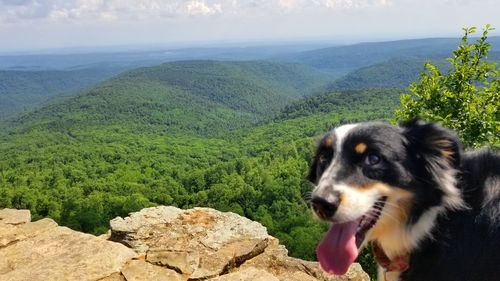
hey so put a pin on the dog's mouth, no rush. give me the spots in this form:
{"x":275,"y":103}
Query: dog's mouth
{"x":340,"y":247}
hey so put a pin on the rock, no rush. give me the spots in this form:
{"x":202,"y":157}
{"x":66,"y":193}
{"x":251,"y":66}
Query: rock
{"x":203,"y":243}
{"x":276,"y":261}
{"x":200,"y":242}
{"x":164,"y":243}
{"x":138,"y":270}
{"x":247,"y":274}
{"x":130,"y":230}
{"x":12,"y":216}
{"x":44,"y":251}
{"x":10,"y":234}
{"x":114,"y":277}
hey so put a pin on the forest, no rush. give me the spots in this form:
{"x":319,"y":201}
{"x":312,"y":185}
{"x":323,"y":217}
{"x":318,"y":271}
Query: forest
{"x":235,"y":136}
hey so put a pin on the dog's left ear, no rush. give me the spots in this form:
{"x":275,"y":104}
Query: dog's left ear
{"x":431,"y":141}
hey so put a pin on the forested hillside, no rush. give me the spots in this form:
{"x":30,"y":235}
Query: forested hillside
{"x":343,"y":59}
{"x":252,"y":86}
{"x":202,"y":97}
{"x":395,"y":73}
{"x":374,"y":102}
{"x":87,"y":172}
{"x":20,"y":91}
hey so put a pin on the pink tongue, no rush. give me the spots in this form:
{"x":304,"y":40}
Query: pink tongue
{"x":338,"y":250}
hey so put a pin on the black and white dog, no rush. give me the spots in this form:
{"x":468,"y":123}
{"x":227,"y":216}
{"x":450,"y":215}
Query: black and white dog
{"x":430,"y":211}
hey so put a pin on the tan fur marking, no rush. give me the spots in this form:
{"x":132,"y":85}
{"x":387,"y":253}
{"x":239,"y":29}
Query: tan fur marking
{"x":342,"y":198}
{"x":396,"y":216}
{"x":447,"y":154}
{"x":360,"y":148}
{"x":445,"y":146}
{"x":384,"y":189}
{"x":390,"y":229}
{"x":328,"y":142}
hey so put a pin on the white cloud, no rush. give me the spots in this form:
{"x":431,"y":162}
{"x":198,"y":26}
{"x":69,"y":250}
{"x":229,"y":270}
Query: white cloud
{"x":55,"y":10}
{"x":350,"y":4}
{"x":199,"y":7}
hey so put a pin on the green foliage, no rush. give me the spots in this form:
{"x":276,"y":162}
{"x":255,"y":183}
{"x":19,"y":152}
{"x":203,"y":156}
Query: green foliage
{"x":21,"y":91}
{"x":82,"y":176}
{"x":394,"y":73}
{"x":152,"y":136}
{"x":255,"y":87}
{"x":376,"y":103}
{"x":201,"y":97}
{"x":466,"y":99}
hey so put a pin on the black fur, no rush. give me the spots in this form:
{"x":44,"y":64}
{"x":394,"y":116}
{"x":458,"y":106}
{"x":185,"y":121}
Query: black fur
{"x":466,"y":243}
{"x":416,"y":156}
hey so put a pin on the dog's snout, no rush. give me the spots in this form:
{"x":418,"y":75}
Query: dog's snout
{"x":325,"y":208}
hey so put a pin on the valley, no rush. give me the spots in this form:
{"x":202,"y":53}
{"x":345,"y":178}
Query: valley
{"x":83,"y":146}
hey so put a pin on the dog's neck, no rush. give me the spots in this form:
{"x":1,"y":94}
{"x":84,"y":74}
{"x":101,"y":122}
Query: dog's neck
{"x":394,"y":264}
{"x":393,"y":232}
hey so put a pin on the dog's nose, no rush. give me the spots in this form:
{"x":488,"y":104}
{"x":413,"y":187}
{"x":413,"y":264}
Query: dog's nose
{"x":324,"y":208}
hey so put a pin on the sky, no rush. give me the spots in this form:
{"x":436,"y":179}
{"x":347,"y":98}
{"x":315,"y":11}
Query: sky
{"x":46,"y":24}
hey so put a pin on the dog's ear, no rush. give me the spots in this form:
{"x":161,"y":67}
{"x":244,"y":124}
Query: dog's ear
{"x":431,"y":141}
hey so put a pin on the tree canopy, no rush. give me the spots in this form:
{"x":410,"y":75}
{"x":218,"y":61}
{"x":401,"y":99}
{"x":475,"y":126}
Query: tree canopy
{"x":466,"y":99}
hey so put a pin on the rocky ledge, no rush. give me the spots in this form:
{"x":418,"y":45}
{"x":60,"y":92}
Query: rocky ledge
{"x":160,"y":243}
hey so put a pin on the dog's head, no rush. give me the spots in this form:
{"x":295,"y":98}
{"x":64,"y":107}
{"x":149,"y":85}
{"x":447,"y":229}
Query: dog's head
{"x":375,"y":181}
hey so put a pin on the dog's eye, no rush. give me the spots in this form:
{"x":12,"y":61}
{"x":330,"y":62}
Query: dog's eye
{"x":372,"y":159}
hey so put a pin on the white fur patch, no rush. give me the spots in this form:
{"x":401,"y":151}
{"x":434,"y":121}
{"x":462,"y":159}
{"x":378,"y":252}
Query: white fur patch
{"x":340,"y":134}
{"x":354,"y":204}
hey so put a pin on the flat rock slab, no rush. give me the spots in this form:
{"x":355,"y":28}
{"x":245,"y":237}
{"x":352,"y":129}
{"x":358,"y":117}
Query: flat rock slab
{"x":13,"y":216}
{"x":44,"y":251}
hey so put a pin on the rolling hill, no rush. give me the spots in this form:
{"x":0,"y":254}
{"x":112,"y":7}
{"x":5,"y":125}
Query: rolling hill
{"x":374,"y":103}
{"x":196,"y":133}
{"x":21,"y":91}
{"x":394,"y":73}
{"x":343,"y":59}
{"x":196,"y":96}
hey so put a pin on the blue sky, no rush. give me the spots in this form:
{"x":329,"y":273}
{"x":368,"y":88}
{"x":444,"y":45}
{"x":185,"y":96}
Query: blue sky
{"x":40,"y":24}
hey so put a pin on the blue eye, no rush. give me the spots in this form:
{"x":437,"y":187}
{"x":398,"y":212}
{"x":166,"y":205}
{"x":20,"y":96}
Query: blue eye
{"x":372,"y":159}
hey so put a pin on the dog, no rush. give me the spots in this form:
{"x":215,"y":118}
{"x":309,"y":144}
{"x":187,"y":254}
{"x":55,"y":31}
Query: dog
{"x":430,"y":211}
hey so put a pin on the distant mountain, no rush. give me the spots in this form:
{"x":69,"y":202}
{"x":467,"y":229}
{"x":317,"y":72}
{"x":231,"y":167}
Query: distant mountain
{"x":195,"y":96}
{"x":132,"y":58}
{"x":395,"y":73}
{"x":343,"y":59}
{"x":22,"y":90}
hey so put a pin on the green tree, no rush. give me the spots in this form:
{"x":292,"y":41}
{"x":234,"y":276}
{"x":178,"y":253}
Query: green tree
{"x":466,"y":99}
